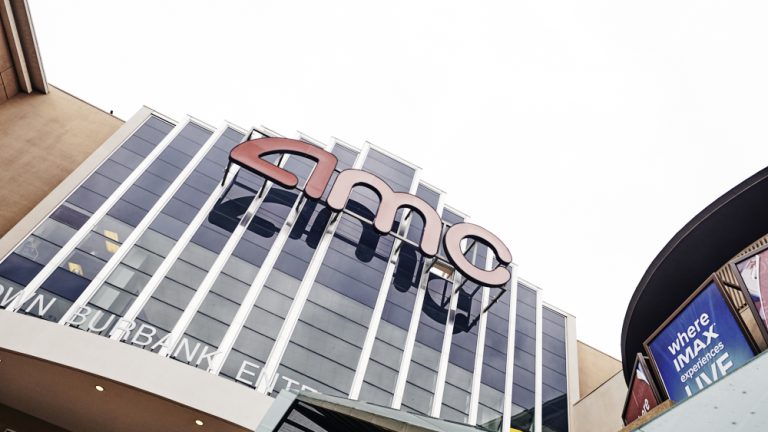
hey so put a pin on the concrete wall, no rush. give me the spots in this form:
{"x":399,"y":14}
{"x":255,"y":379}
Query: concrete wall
{"x":66,"y":360}
{"x":595,"y":368}
{"x":600,"y":410}
{"x":44,"y":138}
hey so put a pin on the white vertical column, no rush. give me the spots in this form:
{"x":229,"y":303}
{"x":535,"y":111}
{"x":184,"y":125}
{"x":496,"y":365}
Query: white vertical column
{"x":134,"y":236}
{"x":509,"y":375}
{"x":268,"y":372}
{"x":445,"y":351}
{"x":474,"y":399}
{"x":95,"y":218}
{"x":572,"y":368}
{"x":413,"y":326}
{"x":539,"y":351}
{"x":381,"y":300}
{"x":410,"y":340}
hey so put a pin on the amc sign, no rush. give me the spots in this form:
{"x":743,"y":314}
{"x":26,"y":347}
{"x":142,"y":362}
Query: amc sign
{"x":249,"y":156}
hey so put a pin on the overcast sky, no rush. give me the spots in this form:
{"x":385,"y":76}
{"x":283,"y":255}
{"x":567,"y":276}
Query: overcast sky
{"x":584,"y":133}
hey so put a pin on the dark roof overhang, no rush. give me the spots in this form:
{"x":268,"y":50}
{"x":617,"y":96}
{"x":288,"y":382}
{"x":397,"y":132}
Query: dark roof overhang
{"x":700,"y":248}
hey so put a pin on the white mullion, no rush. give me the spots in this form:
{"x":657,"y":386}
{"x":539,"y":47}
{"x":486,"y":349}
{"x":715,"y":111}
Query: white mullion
{"x":218,"y":265}
{"x":537,"y":415}
{"x":132,"y":238}
{"x":95,"y":218}
{"x":410,"y":340}
{"x":268,"y":371}
{"x":442,"y":368}
{"x":413,"y":326}
{"x":509,"y":374}
{"x":381,"y":300}
{"x":477,"y":374}
{"x":246,"y":306}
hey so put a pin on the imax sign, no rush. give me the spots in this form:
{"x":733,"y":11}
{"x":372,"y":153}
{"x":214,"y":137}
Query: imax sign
{"x":249,"y":156}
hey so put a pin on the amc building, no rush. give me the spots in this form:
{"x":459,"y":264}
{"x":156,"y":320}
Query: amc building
{"x":159,"y":280}
{"x":169,"y":275}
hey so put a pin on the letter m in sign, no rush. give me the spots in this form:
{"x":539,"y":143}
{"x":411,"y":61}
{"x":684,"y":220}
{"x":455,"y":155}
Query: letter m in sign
{"x":249,"y":156}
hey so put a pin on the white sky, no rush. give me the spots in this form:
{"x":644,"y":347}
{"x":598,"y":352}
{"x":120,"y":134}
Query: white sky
{"x":585,"y":134}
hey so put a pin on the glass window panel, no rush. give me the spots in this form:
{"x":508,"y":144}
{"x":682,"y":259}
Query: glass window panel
{"x":155,"y":242}
{"x":142,"y":259}
{"x":128,"y":279}
{"x":37,"y":249}
{"x":65,"y":284}
{"x":54,"y":232}
{"x":99,"y":246}
{"x":18,"y":269}
{"x":174,"y":293}
{"x":87,"y":199}
{"x":199,"y":256}
{"x":82,"y":264}
{"x":186,"y":274}
{"x":69,"y":216}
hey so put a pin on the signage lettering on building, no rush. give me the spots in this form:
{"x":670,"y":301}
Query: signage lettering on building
{"x":143,"y":335}
{"x":249,"y":156}
{"x":699,"y":345}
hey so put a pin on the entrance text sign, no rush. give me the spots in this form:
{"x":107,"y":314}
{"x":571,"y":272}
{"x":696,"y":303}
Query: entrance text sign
{"x":700,"y":343}
{"x":249,"y":156}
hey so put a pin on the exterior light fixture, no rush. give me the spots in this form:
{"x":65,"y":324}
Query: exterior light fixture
{"x":199,"y":422}
{"x":99,"y":388}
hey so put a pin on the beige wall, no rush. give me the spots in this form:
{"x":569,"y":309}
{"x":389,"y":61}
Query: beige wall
{"x":600,"y":411}
{"x":595,"y":367}
{"x":44,"y":138}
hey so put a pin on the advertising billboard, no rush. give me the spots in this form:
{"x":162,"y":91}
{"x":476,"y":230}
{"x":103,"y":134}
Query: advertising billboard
{"x":699,"y":344}
{"x":643,"y":393}
{"x":753,"y":272}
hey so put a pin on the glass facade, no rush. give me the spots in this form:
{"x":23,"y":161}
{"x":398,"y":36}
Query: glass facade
{"x":251,"y":281}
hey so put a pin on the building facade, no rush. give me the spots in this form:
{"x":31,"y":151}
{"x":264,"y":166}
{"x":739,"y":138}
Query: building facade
{"x":251,"y":282}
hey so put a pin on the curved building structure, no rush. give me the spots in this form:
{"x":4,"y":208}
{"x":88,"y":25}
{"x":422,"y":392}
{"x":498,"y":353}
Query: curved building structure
{"x":699,"y":312}
{"x":729,"y":227}
{"x":205,"y":290}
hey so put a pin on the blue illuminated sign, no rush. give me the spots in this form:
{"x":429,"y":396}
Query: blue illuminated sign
{"x":700,"y":345}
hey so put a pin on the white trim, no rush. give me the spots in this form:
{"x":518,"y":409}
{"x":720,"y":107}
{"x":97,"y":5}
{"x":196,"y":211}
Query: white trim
{"x":572,"y":368}
{"x":410,"y":340}
{"x":445,"y":351}
{"x":477,"y":373}
{"x":381,"y":300}
{"x":268,"y":371}
{"x":413,"y":326}
{"x":511,"y":328}
{"x":137,"y":232}
{"x":96,"y":217}
{"x":538,"y":383}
